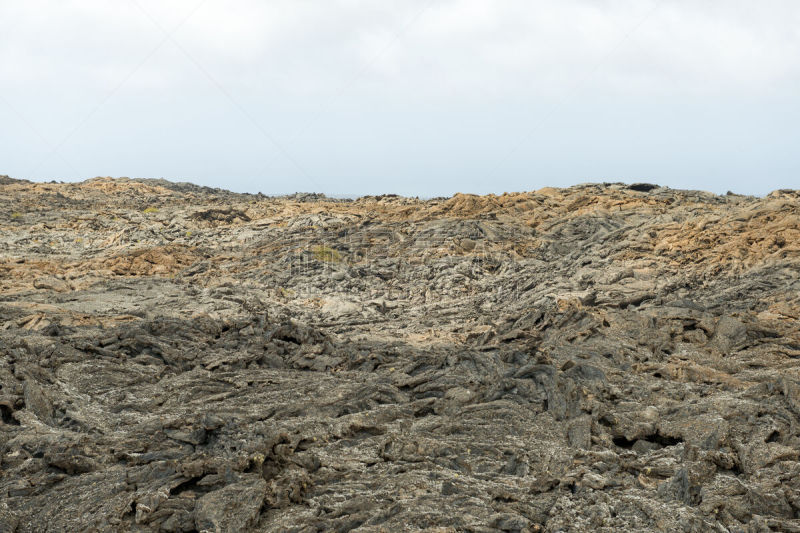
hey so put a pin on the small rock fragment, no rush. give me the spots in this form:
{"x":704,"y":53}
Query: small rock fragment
{"x":232,"y":508}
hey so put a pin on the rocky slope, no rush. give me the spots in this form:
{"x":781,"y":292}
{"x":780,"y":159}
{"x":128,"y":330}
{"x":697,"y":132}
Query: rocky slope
{"x":598,"y":358}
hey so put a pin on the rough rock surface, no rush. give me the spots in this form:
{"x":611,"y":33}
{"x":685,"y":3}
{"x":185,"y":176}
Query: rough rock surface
{"x":598,"y":358}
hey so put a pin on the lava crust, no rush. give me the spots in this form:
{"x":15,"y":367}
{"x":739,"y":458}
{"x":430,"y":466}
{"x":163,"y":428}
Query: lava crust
{"x":606,"y":357}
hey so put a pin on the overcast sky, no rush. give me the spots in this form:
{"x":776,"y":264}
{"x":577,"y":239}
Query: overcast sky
{"x":415,"y":97}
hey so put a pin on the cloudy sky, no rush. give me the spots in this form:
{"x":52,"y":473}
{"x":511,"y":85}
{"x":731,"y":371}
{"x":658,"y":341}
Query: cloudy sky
{"x":416,"y":97}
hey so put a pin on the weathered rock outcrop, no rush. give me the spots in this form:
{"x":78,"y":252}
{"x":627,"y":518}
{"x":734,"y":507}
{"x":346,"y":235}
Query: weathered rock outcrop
{"x":598,"y":358}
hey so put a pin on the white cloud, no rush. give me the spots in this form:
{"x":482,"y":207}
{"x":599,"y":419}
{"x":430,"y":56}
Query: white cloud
{"x":505,"y":43}
{"x":347,"y":68}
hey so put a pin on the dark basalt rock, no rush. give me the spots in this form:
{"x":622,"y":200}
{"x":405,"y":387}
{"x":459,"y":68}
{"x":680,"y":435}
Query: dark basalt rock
{"x":642,"y":187}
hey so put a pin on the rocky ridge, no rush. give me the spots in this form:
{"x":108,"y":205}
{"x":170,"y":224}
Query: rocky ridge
{"x":605,"y":357}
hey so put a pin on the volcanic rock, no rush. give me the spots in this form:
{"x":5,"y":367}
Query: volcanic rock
{"x":605,"y":357}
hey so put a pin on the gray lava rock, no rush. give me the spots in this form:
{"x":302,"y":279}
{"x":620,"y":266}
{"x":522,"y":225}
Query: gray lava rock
{"x":235,"y":507}
{"x":600,"y":358}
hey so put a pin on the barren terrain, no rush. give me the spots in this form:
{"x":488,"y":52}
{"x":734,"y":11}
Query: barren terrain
{"x":600,"y":358}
